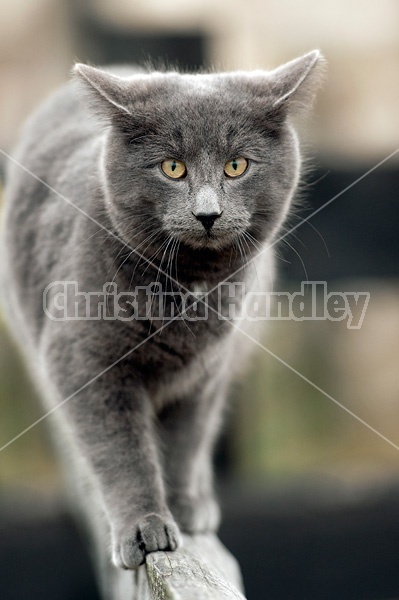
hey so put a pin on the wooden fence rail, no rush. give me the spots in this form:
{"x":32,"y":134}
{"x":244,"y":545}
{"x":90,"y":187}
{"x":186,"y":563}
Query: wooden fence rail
{"x":202,"y":569}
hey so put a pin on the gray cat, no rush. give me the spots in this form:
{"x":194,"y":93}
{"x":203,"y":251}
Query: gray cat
{"x":138,"y":178}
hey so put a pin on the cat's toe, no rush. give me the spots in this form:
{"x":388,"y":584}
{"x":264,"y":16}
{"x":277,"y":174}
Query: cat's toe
{"x":127,"y":554}
{"x":156,"y":533}
{"x":151,"y":534}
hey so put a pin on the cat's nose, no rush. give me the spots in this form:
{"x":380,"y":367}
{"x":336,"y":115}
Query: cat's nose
{"x":207,"y":208}
{"x":207,"y":218}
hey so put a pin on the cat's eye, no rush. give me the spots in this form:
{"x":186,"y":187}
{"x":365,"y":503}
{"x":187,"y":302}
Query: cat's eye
{"x":236,"y":167}
{"x":176,"y":169}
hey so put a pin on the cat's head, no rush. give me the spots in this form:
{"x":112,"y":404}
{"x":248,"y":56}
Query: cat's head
{"x":205,"y":159}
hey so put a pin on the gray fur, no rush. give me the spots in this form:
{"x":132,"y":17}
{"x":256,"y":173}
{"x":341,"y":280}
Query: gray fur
{"x":141,"y":435}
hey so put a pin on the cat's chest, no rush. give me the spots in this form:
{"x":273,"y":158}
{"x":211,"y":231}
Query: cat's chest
{"x":170,"y":344}
{"x":183,"y":332}
{"x":179,"y":352}
{"x":209,"y":364}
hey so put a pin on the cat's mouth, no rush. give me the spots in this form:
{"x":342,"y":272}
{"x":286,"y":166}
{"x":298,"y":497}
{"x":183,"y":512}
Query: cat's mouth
{"x":208,"y":230}
{"x":211,"y":239}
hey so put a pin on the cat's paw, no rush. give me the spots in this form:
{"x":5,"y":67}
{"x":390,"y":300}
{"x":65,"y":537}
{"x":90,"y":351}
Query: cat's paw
{"x":150,"y":534}
{"x":196,"y":515}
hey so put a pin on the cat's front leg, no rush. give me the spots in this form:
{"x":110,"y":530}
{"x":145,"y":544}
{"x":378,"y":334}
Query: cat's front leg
{"x":188,"y":429}
{"x":111,"y":422}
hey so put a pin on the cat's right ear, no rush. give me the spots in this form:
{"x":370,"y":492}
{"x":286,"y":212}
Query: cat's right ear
{"x":109,"y":96}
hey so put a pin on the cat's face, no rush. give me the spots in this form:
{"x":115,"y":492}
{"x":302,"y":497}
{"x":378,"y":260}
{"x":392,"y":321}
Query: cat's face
{"x":207,"y":160}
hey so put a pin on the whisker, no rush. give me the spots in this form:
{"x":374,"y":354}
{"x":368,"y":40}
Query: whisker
{"x":151,"y":238}
{"x":321,"y":237}
{"x":300,"y":258}
{"x":127,"y":245}
{"x":244,"y":237}
{"x":170,"y":240}
{"x":116,"y":273}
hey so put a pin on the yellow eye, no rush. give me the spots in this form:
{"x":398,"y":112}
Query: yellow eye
{"x":174,"y":168}
{"x":236,"y":167}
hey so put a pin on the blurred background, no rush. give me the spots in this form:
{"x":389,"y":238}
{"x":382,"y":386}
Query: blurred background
{"x":310,"y":494}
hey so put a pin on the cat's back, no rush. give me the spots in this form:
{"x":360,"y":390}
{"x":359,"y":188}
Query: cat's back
{"x":48,"y":167}
{"x":52,"y":178}
{"x":58,"y":144}
{"x":63,"y":122}
{"x":50,"y":137}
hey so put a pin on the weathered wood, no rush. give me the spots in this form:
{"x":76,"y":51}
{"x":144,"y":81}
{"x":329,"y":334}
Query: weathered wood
{"x":202,"y":569}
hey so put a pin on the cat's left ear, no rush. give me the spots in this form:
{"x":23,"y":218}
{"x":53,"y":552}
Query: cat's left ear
{"x":296,"y":83}
{"x":290,"y":88}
